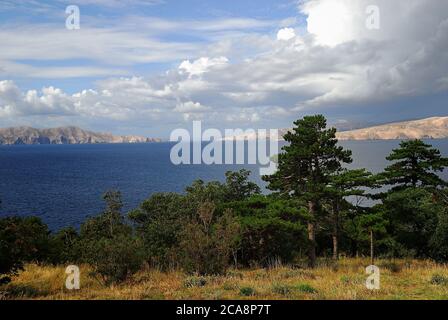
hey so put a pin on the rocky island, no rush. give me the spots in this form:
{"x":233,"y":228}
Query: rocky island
{"x":64,"y":135}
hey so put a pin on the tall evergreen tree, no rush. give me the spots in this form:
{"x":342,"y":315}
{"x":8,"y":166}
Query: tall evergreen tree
{"x":410,"y":204}
{"x":416,"y":164}
{"x":305,"y":168}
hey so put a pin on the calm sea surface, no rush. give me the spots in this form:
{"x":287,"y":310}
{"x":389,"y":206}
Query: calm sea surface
{"x":63,"y":184}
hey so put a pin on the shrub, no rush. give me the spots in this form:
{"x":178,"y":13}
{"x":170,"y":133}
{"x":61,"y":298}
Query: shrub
{"x":23,"y":291}
{"x":345,"y":279}
{"x":65,"y":247}
{"x":438,"y":279}
{"x":195,"y":282}
{"x":21,"y":240}
{"x":306,"y":288}
{"x":281,"y":289}
{"x":230,"y":286}
{"x":114,"y":259}
{"x":247,"y":291}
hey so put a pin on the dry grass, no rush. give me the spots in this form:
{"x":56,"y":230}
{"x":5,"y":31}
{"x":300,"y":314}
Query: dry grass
{"x":345,"y":280}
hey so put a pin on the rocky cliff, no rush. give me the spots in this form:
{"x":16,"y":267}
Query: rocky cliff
{"x":65,"y":135}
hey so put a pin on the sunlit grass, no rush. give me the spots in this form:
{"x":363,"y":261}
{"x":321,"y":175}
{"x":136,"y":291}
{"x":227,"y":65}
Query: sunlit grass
{"x":345,"y":280}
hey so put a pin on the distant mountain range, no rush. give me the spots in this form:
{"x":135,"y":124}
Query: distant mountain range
{"x":430,"y":128}
{"x":64,"y":135}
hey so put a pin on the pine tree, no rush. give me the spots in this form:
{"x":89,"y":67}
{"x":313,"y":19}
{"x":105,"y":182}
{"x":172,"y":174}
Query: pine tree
{"x":305,"y":168}
{"x":416,"y":164}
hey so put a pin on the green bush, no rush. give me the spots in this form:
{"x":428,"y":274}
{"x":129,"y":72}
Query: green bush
{"x":22,"y":240}
{"x":192,"y":282}
{"x":229,"y":286}
{"x":247,"y":291}
{"x":306,"y":288}
{"x":272,"y":230}
{"x":281,"y":289}
{"x":114,"y":259}
{"x":159,"y":222}
{"x":65,"y":247}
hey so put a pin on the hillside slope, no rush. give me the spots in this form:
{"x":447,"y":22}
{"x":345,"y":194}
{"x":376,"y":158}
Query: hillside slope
{"x":430,"y":128}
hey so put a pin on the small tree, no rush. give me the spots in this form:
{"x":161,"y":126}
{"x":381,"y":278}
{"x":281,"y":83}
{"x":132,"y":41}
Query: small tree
{"x":159,"y":222}
{"x":114,"y":259}
{"x":108,"y":244}
{"x":366,"y":228}
{"x":65,"y":246}
{"x":272,"y":229}
{"x":207,"y":241}
{"x":413,"y":217}
{"x":238,"y":186}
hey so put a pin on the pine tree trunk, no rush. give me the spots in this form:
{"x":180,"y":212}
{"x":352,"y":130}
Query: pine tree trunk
{"x":335,"y":247}
{"x":335,"y":234}
{"x":312,"y":236}
{"x":372,"y":258}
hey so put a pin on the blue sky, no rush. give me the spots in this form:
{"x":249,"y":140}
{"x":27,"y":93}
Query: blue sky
{"x":151,"y":66}
{"x":17,"y":13}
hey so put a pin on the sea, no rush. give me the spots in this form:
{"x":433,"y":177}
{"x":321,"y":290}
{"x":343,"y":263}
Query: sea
{"x":63,"y":184}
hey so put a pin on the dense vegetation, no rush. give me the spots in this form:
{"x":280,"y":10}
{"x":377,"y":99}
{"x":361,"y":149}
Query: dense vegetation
{"x":315,"y":210}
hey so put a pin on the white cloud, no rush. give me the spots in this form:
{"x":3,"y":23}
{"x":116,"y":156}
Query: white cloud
{"x":202,"y":65}
{"x":248,"y":78}
{"x":190,"y":107}
{"x":334,"y":22}
{"x":286,"y":34}
{"x":51,"y":101}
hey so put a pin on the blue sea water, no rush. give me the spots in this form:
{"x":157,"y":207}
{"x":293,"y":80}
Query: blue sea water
{"x":63,"y":184}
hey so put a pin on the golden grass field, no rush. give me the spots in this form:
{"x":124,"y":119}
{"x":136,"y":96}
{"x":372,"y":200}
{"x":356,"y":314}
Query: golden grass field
{"x":345,"y":280}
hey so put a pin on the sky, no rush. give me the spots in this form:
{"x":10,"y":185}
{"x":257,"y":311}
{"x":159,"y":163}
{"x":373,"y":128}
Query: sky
{"x":148,"y":67}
